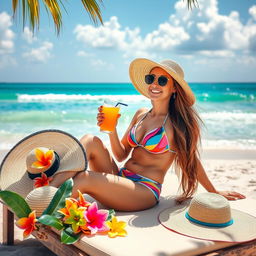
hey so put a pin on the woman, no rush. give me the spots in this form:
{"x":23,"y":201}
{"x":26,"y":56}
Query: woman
{"x":168,"y":133}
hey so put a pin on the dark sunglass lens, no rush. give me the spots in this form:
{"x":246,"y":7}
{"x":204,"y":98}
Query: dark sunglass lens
{"x":162,"y":80}
{"x":149,"y":79}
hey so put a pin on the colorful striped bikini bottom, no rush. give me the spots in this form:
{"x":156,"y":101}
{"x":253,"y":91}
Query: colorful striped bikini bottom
{"x":154,"y":186}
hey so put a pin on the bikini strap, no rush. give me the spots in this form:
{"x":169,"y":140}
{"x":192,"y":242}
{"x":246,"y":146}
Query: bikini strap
{"x":165,"y":118}
{"x":142,"y":119}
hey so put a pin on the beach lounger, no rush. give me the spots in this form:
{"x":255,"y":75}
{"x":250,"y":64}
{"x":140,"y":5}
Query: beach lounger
{"x":146,"y":236}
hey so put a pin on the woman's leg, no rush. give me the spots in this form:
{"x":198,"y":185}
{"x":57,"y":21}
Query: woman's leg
{"x":113,"y":191}
{"x":98,"y":157}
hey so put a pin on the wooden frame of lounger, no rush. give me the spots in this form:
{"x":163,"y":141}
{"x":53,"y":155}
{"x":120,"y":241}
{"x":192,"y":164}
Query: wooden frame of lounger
{"x":54,"y":244}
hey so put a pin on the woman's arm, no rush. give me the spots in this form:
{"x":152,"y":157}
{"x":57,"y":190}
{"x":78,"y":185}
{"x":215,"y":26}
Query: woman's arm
{"x":203,"y":178}
{"x":206,"y":183}
{"x":121,"y":149}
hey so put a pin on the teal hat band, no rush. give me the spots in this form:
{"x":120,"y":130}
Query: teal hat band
{"x":219,"y":225}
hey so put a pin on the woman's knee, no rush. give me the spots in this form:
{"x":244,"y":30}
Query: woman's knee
{"x":91,"y":142}
{"x":80,"y":181}
{"x":87,"y":138}
{"x":90,"y":139}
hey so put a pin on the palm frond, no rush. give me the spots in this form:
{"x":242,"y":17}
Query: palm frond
{"x":92,"y":7}
{"x":14,"y":5}
{"x":31,"y":11}
{"x":54,"y":8}
{"x":34,"y":11}
{"x":192,"y":3}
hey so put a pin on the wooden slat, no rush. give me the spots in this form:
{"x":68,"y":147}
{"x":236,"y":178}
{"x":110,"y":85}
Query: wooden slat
{"x":8,"y":226}
{"x":52,"y":242}
{"x":246,"y":249}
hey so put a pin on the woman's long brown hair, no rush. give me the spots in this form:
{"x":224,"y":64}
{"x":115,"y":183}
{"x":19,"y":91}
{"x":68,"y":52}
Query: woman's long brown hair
{"x":186,"y":125}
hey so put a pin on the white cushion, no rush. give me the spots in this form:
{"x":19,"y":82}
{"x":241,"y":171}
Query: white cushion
{"x":146,"y":236}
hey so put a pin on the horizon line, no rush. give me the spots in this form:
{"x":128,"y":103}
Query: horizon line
{"x":1,"y":82}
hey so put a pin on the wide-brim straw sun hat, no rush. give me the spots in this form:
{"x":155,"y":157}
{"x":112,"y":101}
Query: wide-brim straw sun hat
{"x":141,"y":67}
{"x":209,"y":217}
{"x":39,"y":199}
{"x":17,"y":176}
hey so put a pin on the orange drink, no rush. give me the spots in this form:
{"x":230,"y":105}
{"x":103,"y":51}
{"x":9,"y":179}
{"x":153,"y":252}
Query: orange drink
{"x":109,"y":123}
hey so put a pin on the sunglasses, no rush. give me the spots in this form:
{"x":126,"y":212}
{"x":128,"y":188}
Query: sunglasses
{"x":162,"y":80}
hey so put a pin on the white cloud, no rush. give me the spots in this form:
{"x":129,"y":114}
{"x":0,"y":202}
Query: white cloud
{"x":7,"y":60}
{"x":252,"y":11}
{"x":246,"y":60}
{"x":40,"y":54}
{"x":84,"y":54}
{"x":101,"y":64}
{"x":107,"y":36}
{"x":28,"y":36}
{"x":214,"y":32}
{"x":6,"y":34}
{"x":166,"y":37}
{"x":252,"y":44}
{"x":202,"y":31}
{"x":98,"y":63}
{"x":6,"y":41}
{"x":111,"y":35}
{"x":220,"y":53}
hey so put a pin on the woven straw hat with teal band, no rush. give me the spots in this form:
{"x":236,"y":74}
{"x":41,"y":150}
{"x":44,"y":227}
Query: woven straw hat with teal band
{"x":14,"y":175}
{"x":209,"y":217}
{"x":141,"y":67}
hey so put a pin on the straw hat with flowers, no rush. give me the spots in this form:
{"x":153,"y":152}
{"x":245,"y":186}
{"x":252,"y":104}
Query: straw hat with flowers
{"x":38,"y":157}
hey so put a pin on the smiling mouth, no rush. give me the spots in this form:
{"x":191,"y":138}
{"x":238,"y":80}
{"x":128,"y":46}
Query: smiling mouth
{"x":155,"y":91}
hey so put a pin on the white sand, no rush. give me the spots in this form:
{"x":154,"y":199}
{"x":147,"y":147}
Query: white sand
{"x":236,"y":175}
{"x":227,"y":169}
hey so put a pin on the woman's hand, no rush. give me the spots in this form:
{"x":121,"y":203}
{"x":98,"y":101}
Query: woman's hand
{"x":231,"y":195}
{"x":101,"y":116}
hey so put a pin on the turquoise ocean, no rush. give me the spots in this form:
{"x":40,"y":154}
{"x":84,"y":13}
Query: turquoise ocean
{"x":228,"y":110}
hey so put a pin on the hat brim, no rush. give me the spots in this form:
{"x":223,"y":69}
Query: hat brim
{"x":13,"y":170}
{"x":141,"y":67}
{"x":39,"y":198}
{"x":242,"y":230}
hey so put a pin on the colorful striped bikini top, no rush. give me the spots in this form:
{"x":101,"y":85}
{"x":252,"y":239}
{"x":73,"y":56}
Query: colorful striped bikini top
{"x":155,"y":141}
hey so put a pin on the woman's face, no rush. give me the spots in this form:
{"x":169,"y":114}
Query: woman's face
{"x":156,"y":91}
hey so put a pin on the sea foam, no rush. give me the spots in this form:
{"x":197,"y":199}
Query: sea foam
{"x":78,"y":97}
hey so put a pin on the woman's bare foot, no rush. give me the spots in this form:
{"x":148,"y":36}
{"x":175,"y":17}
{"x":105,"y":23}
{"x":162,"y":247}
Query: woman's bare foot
{"x":60,"y":178}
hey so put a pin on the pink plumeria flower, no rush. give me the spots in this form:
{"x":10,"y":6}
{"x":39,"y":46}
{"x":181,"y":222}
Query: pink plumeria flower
{"x":96,"y":219}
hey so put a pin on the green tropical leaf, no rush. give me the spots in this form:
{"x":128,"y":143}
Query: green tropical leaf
{"x":51,"y":221}
{"x":17,"y":203}
{"x":68,"y":236}
{"x":58,"y":200}
{"x":111,"y":213}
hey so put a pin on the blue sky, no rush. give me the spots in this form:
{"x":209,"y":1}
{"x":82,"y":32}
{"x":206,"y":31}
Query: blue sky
{"x":216,"y":43}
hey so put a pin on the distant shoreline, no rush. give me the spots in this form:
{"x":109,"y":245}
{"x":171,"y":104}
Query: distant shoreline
{"x":230,"y":82}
